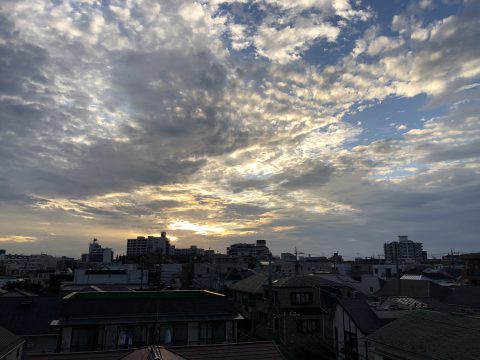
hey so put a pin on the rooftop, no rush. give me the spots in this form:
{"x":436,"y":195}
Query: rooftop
{"x":432,"y":335}
{"x":166,"y":294}
{"x":465,"y":296}
{"x":362,"y":315}
{"x":265,"y":350}
{"x":414,"y":288}
{"x":253,"y":284}
{"x":8,"y":341}
{"x":142,"y":306}
{"x":17,"y":313}
{"x":302,"y":281}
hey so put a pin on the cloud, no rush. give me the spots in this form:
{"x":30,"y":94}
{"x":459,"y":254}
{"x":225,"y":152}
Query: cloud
{"x":205,"y":119}
{"x":17,"y":238}
{"x":285,"y":45}
{"x":286,"y":29}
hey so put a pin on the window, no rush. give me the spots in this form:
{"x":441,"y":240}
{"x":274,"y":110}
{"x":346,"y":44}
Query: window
{"x":212,"y":332}
{"x":308,"y":326}
{"x":351,"y":346}
{"x":301,"y":298}
{"x":180,"y":334}
{"x":336,"y":340}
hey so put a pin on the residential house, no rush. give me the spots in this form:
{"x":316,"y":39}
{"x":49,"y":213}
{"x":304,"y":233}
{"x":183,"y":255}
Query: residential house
{"x":11,"y":345}
{"x":30,"y":318}
{"x":248,"y":297}
{"x":303,"y":305}
{"x":427,"y":335}
{"x":464,"y":299}
{"x":267,"y":350}
{"x":414,"y":288}
{"x":41,"y":277}
{"x":124,"y":275}
{"x":354,"y":320}
{"x":112,"y":320}
{"x":471,"y":270}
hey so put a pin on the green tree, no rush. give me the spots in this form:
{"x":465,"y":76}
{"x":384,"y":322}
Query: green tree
{"x":313,"y":347}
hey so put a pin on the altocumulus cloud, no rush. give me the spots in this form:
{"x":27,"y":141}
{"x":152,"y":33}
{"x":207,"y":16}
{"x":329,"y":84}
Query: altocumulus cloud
{"x":227,"y":120}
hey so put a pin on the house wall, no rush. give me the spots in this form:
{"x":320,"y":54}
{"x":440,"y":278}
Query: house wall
{"x":343,"y":323}
{"x":291,"y":324}
{"x":283,"y":297}
{"x":131,"y":276}
{"x":131,"y":335}
{"x":381,"y":352}
{"x":40,"y":343}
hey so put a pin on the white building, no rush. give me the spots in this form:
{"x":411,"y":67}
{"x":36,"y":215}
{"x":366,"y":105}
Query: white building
{"x":98,"y":254}
{"x":126,"y":275}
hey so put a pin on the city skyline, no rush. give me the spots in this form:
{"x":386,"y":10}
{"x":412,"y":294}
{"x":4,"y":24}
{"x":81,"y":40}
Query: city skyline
{"x":322,"y":125}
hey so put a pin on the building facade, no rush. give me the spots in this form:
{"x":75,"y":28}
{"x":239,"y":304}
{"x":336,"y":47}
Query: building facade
{"x":149,"y":245}
{"x":471,"y":270}
{"x":98,"y":254}
{"x":404,"y":249}
{"x":126,"y":275}
{"x":116,"y":320}
{"x":258,"y":251}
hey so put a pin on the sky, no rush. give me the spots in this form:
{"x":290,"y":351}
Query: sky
{"x":322,"y":125}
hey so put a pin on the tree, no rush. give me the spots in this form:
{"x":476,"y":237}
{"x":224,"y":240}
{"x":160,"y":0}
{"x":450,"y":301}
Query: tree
{"x":313,"y":347}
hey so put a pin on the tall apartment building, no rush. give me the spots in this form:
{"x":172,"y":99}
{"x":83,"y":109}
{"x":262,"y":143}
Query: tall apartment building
{"x":146,"y":245}
{"x":259,"y":250}
{"x":98,"y":254}
{"x":406,"y":250}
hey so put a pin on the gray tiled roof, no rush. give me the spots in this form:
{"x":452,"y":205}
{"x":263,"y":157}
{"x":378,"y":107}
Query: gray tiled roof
{"x":414,"y":288}
{"x":253,"y":284}
{"x":141,"y":304}
{"x":465,"y":295}
{"x":362,"y":315}
{"x":265,"y":350}
{"x":432,"y":335}
{"x":300,"y":281}
{"x":8,"y":341}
